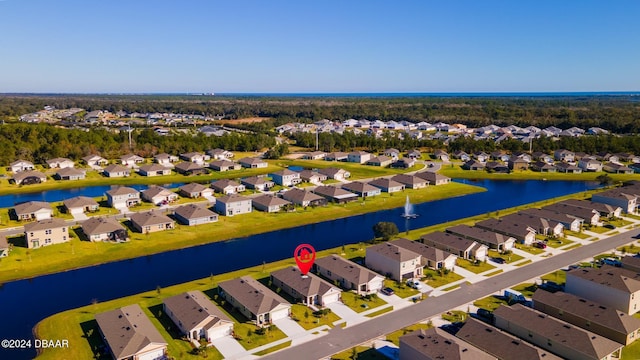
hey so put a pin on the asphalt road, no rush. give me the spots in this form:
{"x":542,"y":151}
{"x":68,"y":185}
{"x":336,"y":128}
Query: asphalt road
{"x":340,"y":339}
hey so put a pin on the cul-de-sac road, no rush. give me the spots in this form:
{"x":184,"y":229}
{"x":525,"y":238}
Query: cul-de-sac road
{"x":340,"y":339}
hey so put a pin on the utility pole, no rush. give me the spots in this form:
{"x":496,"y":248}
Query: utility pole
{"x":130,"y":145}
{"x":316,"y":139}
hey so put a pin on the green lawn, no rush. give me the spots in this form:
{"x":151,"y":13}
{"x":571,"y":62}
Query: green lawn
{"x":509,"y":258}
{"x":490,"y":302}
{"x":559,"y":242}
{"x":599,"y":229}
{"x":455,"y":171}
{"x":499,"y":271}
{"x":401,"y":289}
{"x":559,"y":277}
{"x":274,"y":348}
{"x":528,"y":261}
{"x":436,"y":279}
{"x":310,"y":320}
{"x":359,"y":304}
{"x":579,"y":235}
{"x":454,"y":316}
{"x":527,"y":289}
{"x":380,"y":312}
{"x":530,"y":249}
{"x":395,"y":336}
{"x":361,"y":353}
{"x":475,"y":267}
{"x":629,"y":249}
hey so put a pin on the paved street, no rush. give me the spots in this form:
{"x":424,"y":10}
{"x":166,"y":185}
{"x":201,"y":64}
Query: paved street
{"x":340,"y":339}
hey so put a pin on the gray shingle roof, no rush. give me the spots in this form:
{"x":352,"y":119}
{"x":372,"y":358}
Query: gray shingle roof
{"x":269,"y":200}
{"x":610,"y":276}
{"x":257,"y":298}
{"x":52,"y":223}
{"x":150,"y":218}
{"x":31,"y":206}
{"x":436,"y":343}
{"x":194,"y":211}
{"x":99,"y":225}
{"x":347,"y":269}
{"x":307,"y":286}
{"x":191,"y":308}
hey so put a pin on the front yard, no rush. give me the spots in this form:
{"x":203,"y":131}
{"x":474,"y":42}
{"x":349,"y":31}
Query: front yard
{"x":508,"y":258}
{"x":359,"y":303}
{"x":309,"y":319}
{"x":436,"y":279}
{"x":476,"y":267}
{"x":401,"y":289}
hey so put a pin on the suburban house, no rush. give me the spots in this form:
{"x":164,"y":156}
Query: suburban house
{"x":557,"y":336}
{"x":382,"y":161}
{"x":219,"y":154}
{"x":362,"y":189}
{"x":517,"y":163}
{"x":165,"y":159}
{"x":441,"y":155}
{"x":336,"y":156}
{"x":195,"y":157}
{"x":589,"y":315}
{"x":410,"y":181}
{"x":153,"y":170}
{"x":590,"y":164}
{"x":541,"y":156}
{"x":129,"y":334}
{"x":197,"y":317}
{"x":46,"y":232}
{"x":430,"y":256}
{"x":435,"y":344}
{"x":394,"y":154}
{"x":394,"y":261}
{"x":414,"y":154}
{"x":620,"y":197}
{"x":303,"y":197}
{"x":257,"y":183}
{"x":500,"y":344}
{"x":104,"y":229}
{"x":80,"y":204}
{"x":269,"y":203}
{"x":605,"y":210}
{"x":541,"y":166}
{"x":334,"y":173}
{"x":4,"y":246}
{"x":158,"y":195}
{"x":464,"y":248}
{"x":309,"y":289}
{"x":286,"y":177}
{"x":609,"y":285}
{"x":497,"y":167}
{"x":116,"y":170}
{"x":33,"y":210}
{"x":335,"y":194}
{"x":253,"y":163}
{"x":190,"y":168}
{"x":491,"y":239}
{"x":95,"y":160}
{"x":387,"y":185}
{"x":227,"y":186}
{"x":233,"y":204}
{"x":28,"y":177}
{"x":474,"y":165}
{"x":254,"y":300}
{"x":568,"y":168}
{"x":70,"y":173}
{"x":349,"y":275}
{"x":60,"y":163}
{"x":403,"y":163}
{"x":521,"y":232}
{"x":151,"y":221}
{"x":433,"y":178}
{"x":585,"y":215}
{"x":569,"y":222}
{"x":541,"y":226}
{"x":123,"y":197}
{"x":564,"y":155}
{"x":195,"y":190}
{"x":194,"y":214}
{"x":312,"y":176}
{"x":461,"y":155}
{"x":616,"y":168}
{"x":131,"y":160}
{"x":315,"y":155}
{"x":359,"y":157}
{"x":224,"y":165}
{"x":21,"y":165}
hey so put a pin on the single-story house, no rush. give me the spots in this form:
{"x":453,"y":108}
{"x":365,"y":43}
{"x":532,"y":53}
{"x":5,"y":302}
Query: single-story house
{"x":254,"y":300}
{"x":410,"y":181}
{"x":585,"y":215}
{"x":441,"y":155}
{"x":349,"y":275}
{"x":129,"y":334}
{"x":257,"y":183}
{"x":154,"y":170}
{"x":309,"y":289}
{"x":233,"y":204}
{"x":335,"y":194}
{"x":312,"y":176}
{"x":414,"y":154}
{"x":334,"y":173}
{"x":158,"y":195}
{"x":541,"y":166}
{"x":616,"y":168}
{"x":195,"y":190}
{"x":473,"y":165}
{"x":382,"y":161}
{"x":303,"y":197}
{"x":219,"y":154}
{"x":394,"y":154}
{"x":253,"y":163}
{"x":46,"y":232}
{"x":60,"y":163}
{"x":396,"y":262}
{"x":590,"y":164}
{"x":195,"y":157}
{"x":189,"y":168}
{"x":489,"y":238}
{"x":269,"y":203}
{"x":569,"y":222}
{"x":497,"y":167}
{"x":568,"y":168}
{"x":151,"y":221}
{"x":433,"y":178}
{"x":605,"y":210}
{"x":123,"y":197}
{"x":315,"y":155}
{"x":227,"y":186}
{"x":165,"y":159}
{"x":28,"y":177}
{"x":224,"y":165}
{"x":95,"y":160}
{"x":387,"y":185}
{"x":521,"y":232}
{"x":336,"y":156}
{"x":359,"y":157}
{"x":197,"y":317}
{"x":80,"y":204}
{"x":431,"y":257}
{"x":564,"y":155}
{"x":21,"y":165}
{"x":465,"y":248}
{"x":286,"y":177}
{"x":194,"y":214}
{"x":115,"y":170}
{"x":130,"y":160}
{"x":33,"y":210}
{"x":101,"y":229}
{"x":70,"y":173}
{"x":435,"y":343}
{"x":362,"y":189}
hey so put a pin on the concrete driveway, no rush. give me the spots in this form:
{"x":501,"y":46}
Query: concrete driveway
{"x":290,"y":327}
{"x":229,"y":347}
{"x":346,"y":313}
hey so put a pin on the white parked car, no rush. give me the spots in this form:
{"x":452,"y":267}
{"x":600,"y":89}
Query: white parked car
{"x":416,"y":284}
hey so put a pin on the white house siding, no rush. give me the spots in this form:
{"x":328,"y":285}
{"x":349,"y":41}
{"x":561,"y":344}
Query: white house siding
{"x":42,"y":214}
{"x":627,"y":206}
{"x":234,"y":208}
{"x":156,"y":354}
{"x":608,"y":296}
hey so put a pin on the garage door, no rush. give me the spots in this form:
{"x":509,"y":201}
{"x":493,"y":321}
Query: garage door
{"x":331,"y":298}
{"x":279,"y":314}
{"x":220,"y":331}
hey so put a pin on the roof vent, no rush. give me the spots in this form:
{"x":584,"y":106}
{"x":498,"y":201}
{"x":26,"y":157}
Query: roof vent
{"x":447,"y":342}
{"x":593,"y":338}
{"x":515,"y":342}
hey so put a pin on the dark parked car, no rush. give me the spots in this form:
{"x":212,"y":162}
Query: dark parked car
{"x":485,"y":314}
{"x":609,"y":226}
{"x":551,"y":286}
{"x":387,"y":291}
{"x":540,"y":245}
{"x":498,"y":260}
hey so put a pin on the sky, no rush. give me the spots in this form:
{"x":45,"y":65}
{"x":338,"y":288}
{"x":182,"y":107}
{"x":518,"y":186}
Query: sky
{"x":335,"y":46}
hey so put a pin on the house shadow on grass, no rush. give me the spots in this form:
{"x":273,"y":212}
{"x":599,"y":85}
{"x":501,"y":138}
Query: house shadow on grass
{"x":80,"y":234}
{"x":91,"y":333}
{"x":219,"y":301}
{"x":18,"y":241}
{"x":165,"y":321}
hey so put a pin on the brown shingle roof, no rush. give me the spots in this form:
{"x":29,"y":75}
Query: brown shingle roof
{"x":194,"y":211}
{"x":99,"y":225}
{"x":385,"y":183}
{"x":478,"y":234}
{"x":191,"y":308}
{"x":231,"y":198}
{"x":393,"y":251}
{"x":360,"y":187}
{"x":347,"y":269}
{"x":309,"y":285}
{"x":257,"y":298}
{"x":150,"y":218}
{"x":435,"y":343}
{"x":122,"y":190}
{"x":427,"y":252}
{"x":269,"y":200}
{"x":52,"y":223}
{"x":192,"y":187}
{"x":31,"y":206}
{"x":610,"y":276}
{"x":408,"y":179}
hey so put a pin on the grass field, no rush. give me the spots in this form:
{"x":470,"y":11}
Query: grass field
{"x":455,"y":171}
{"x":359,"y":304}
{"x":435,"y":279}
{"x":475,"y":267}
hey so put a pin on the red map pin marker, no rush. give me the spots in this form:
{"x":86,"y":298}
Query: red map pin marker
{"x":305,"y":255}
